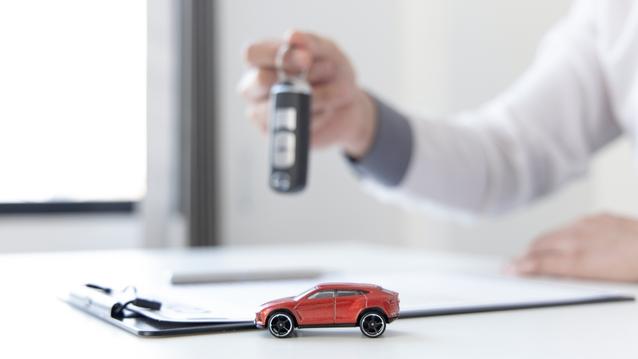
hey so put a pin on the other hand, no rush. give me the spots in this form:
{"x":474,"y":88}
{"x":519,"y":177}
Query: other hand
{"x":603,"y":247}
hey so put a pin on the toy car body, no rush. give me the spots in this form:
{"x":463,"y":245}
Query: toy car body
{"x":367,"y":306}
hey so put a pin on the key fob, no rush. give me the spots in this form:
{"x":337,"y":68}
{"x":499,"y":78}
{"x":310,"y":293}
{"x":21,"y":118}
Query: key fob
{"x":290,"y":135}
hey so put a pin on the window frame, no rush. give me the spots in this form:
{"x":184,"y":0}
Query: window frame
{"x":84,"y":207}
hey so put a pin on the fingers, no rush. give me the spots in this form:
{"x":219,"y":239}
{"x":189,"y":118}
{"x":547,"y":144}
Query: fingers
{"x":563,"y":241}
{"x":548,"y":263}
{"x":310,"y":53}
{"x":307,"y":48}
{"x":326,"y":130}
{"x":331,"y":95}
{"x":322,"y":71}
{"x":319,"y":47}
{"x":556,"y":253}
{"x":255,"y":85}
{"x":258,"y":113}
{"x":330,"y":127}
{"x":264,"y":55}
{"x":597,"y":247}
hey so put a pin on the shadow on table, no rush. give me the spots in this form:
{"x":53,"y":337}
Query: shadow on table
{"x":341,"y":333}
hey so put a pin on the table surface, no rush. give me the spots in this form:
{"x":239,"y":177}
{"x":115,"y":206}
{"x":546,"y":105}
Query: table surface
{"x":35,"y":324}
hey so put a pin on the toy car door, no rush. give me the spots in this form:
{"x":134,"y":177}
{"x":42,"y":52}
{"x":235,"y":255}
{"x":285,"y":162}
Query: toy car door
{"x":317,"y":309}
{"x":348,"y":305}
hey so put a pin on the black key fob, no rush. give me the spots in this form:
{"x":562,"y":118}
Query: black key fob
{"x":290,"y":135}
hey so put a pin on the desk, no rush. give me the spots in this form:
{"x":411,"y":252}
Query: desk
{"x":53,"y":329}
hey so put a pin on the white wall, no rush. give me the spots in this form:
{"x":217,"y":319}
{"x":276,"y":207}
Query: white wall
{"x":431,"y":57}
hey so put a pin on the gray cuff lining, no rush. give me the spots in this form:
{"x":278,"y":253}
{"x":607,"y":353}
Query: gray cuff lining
{"x":389,"y":156}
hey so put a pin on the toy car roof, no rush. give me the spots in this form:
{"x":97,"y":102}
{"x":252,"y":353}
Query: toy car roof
{"x":351,"y":286}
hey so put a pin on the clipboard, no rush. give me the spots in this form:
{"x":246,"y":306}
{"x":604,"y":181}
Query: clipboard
{"x":421,"y":313}
{"x":100,"y":305}
{"x":148,"y":323}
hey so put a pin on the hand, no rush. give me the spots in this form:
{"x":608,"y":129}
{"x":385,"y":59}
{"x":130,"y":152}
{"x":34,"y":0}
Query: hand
{"x":599,"y":247}
{"x":342,"y":113}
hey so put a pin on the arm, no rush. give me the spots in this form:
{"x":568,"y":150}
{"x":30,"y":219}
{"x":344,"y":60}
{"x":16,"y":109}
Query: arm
{"x":519,"y":147}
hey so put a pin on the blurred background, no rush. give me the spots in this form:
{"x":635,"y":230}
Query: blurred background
{"x":121,"y":125}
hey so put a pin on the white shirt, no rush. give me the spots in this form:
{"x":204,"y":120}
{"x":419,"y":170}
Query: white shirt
{"x":580,"y":93}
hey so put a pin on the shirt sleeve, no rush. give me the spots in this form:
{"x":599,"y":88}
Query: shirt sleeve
{"x":387,"y":160}
{"x":521,"y":146}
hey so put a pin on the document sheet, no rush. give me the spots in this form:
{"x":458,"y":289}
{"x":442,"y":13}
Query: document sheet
{"x":421,"y":293}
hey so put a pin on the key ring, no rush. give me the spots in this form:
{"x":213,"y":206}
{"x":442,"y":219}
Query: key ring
{"x":282,"y":76}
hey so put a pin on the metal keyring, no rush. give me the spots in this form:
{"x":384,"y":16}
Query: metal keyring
{"x":279,"y":64}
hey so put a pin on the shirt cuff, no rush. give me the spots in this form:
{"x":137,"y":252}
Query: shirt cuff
{"x":389,"y":155}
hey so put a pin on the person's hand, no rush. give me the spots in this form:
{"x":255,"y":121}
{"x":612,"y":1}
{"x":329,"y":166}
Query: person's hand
{"x":342,"y":113}
{"x":599,"y":247}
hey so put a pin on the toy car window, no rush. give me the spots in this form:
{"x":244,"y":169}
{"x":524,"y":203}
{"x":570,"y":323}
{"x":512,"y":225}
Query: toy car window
{"x":304,"y":293}
{"x":321,"y":295}
{"x":347,"y":293}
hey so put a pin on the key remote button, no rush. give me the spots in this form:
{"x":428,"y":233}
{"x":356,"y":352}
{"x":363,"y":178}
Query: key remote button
{"x":286,"y":119}
{"x":284,"y":149}
{"x":280,"y":180}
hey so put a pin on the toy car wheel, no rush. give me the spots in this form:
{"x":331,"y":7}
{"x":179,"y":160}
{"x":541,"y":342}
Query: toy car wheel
{"x":372,"y":324}
{"x":281,"y":325}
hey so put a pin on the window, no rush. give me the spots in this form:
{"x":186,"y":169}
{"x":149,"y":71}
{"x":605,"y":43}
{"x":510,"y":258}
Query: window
{"x":323,"y":294}
{"x":347,"y":293}
{"x":304,"y":293}
{"x":73,"y":94}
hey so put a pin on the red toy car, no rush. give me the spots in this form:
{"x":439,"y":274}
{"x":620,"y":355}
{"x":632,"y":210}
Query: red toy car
{"x":367,"y":306}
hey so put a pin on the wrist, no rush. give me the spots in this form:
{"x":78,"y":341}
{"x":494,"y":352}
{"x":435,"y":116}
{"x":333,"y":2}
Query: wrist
{"x":364,"y":123}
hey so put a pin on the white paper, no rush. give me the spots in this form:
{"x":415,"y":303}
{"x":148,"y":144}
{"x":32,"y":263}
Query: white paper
{"x":417,"y":291}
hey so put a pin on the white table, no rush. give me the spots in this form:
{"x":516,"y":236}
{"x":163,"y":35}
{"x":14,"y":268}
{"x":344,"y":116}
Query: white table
{"x":34,"y":324}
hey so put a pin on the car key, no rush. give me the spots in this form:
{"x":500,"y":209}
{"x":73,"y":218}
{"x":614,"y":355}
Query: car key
{"x":289,"y":129}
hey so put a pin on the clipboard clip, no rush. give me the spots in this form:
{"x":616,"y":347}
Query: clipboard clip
{"x":118,"y":309}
